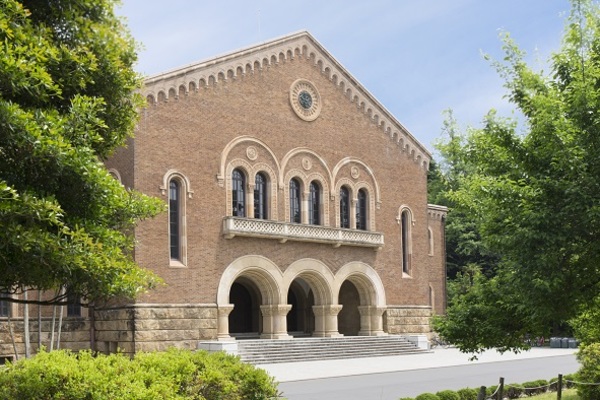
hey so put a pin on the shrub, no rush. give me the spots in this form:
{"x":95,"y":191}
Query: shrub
{"x":535,"y":387}
{"x":427,"y":396}
{"x":491,"y":390}
{"x":447,"y":395}
{"x":513,"y":391}
{"x":406,"y":398}
{"x":589,"y":358}
{"x":467,"y":394}
{"x":171,"y":375}
{"x":568,"y":379}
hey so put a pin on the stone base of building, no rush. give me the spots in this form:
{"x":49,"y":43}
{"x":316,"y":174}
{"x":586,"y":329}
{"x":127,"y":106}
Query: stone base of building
{"x":157,"y":327}
{"x":407,"y":320}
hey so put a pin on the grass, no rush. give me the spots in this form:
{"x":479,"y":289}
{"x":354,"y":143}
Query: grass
{"x":568,"y":394}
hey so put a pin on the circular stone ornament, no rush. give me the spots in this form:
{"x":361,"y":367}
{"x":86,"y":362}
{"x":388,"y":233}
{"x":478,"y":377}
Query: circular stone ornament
{"x":305,"y":100}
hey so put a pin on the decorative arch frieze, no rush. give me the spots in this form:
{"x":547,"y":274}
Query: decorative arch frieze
{"x":289,"y":47}
{"x":316,"y":274}
{"x":173,"y":173}
{"x":251,"y":142}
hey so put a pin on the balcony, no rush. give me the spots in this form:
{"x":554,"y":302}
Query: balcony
{"x":284,"y":231}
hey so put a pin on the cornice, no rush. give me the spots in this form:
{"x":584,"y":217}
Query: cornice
{"x":437,"y":212}
{"x":177,"y":82}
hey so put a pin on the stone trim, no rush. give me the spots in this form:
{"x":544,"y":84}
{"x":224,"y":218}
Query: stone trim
{"x":171,"y":84}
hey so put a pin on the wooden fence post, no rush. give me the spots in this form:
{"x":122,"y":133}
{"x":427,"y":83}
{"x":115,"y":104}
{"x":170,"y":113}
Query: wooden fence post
{"x":481,"y":395}
{"x":559,"y":387}
{"x":501,"y":389}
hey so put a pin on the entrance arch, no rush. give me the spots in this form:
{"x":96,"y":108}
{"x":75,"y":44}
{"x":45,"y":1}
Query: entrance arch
{"x":301,"y":318}
{"x":245,"y":319}
{"x":257,"y":279}
{"x":349,"y":317}
{"x":359,"y":286}
{"x":316,"y":278}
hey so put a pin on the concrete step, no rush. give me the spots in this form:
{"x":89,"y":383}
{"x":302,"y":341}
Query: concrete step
{"x":311,"y":349}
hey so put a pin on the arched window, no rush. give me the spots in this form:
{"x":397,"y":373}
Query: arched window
{"x":295,"y":201}
{"x":344,"y":207}
{"x":260,"y":197}
{"x":238,"y":193}
{"x":314,"y":204}
{"x":430,"y":238}
{"x":4,"y":305}
{"x":361,"y":210}
{"x":175,"y":219}
{"x":405,"y":222}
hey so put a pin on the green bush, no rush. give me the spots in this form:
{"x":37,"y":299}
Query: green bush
{"x":406,"y":398}
{"x":491,"y":390}
{"x":513,"y":391}
{"x":535,"y":387}
{"x":427,"y":396}
{"x":171,"y":375}
{"x":467,"y":394}
{"x":447,"y":395}
{"x":568,"y":379}
{"x":589,"y":359}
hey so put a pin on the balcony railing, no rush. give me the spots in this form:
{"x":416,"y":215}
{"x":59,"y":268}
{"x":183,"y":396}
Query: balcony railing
{"x":284,"y":231}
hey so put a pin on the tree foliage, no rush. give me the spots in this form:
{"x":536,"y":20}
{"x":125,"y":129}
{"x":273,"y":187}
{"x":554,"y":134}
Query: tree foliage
{"x":67,"y":100}
{"x":535,"y":195}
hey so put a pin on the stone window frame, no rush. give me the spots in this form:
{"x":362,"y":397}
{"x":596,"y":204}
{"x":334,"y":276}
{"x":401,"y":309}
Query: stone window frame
{"x":344,"y":215}
{"x":406,"y":239}
{"x":262,"y":196}
{"x":185,"y":193}
{"x":430,"y":241}
{"x":304,"y":180}
{"x":7,"y":305}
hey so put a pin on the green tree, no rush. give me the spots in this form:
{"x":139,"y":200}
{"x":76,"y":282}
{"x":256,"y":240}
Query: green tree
{"x":465,"y":250}
{"x":67,"y":100}
{"x":535,"y":196}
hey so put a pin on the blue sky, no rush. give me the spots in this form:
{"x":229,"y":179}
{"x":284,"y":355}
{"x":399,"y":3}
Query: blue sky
{"x":417,"y":57}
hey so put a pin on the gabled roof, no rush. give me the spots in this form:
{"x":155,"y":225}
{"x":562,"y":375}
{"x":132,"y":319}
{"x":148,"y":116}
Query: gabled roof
{"x":171,"y":84}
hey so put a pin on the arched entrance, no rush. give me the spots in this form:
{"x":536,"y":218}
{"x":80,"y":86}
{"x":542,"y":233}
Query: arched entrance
{"x":361,"y":294}
{"x":349,"y":316}
{"x":245,"y":319}
{"x":301,"y":318}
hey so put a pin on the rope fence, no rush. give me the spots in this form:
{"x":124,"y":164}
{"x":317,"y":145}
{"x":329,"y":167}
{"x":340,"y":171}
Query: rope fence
{"x":515,"y":391}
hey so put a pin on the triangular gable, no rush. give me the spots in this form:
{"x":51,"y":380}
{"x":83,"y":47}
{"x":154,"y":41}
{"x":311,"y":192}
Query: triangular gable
{"x":177,"y":82}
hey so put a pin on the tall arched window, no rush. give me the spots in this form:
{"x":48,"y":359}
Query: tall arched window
{"x":260,"y":197}
{"x":295,"y":201}
{"x":314,"y":204}
{"x":344,"y":207}
{"x":238,"y":193}
{"x":405,"y":222}
{"x":361,"y":210}
{"x":175,"y":219}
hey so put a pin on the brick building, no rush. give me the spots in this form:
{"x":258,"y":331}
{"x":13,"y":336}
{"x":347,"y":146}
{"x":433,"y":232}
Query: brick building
{"x":297,"y":206}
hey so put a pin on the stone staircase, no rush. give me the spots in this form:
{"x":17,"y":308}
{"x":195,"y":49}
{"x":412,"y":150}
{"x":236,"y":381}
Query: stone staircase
{"x":262,"y":351}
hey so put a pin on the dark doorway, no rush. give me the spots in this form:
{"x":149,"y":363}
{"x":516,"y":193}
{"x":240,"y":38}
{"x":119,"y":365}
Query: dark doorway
{"x":301,"y":318}
{"x":349,"y":317}
{"x":245,"y":319}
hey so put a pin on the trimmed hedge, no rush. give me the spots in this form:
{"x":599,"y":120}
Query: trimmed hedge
{"x":447,"y":395}
{"x":171,"y":375}
{"x":467,"y":394}
{"x":427,"y":396}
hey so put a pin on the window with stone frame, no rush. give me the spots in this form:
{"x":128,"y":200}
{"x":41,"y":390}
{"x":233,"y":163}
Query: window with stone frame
{"x":238,"y":193}
{"x":314,"y":204}
{"x":405,"y":237}
{"x":295,"y":201}
{"x":261,"y":209}
{"x":344,"y":207}
{"x":361,"y":210}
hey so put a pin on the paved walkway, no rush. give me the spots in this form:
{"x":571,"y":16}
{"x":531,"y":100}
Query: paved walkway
{"x":298,"y":371}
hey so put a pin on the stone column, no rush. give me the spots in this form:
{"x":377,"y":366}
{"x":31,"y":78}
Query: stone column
{"x":223,"y":312}
{"x":274,"y":321}
{"x":371,"y":321}
{"x":326,"y":322}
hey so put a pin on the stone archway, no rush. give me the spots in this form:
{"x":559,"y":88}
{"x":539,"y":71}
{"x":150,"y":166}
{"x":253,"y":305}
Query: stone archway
{"x":316,"y":276}
{"x":371,"y":304}
{"x":245,"y":319}
{"x":261,"y":279}
{"x":301,"y":318}
{"x":349,"y":316}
